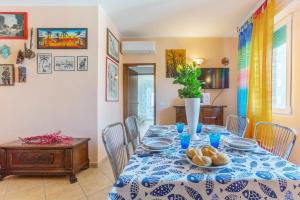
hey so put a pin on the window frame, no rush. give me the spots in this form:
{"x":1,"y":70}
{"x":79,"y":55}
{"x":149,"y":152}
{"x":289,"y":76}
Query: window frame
{"x":288,"y":21}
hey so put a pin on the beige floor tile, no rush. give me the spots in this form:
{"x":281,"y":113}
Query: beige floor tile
{"x":21,"y":183}
{"x":3,"y":185}
{"x":93,"y":181}
{"x":59,"y":188}
{"x":102,"y":194}
{"x":34,"y":193}
{"x":105,"y":168}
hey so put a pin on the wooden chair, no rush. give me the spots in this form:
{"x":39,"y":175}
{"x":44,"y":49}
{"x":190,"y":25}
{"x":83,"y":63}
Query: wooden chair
{"x":237,"y":125}
{"x":133,"y":132}
{"x":275,"y":138}
{"x":115,"y":143}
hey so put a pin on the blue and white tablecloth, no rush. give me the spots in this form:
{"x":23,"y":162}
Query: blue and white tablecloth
{"x":170,"y":176}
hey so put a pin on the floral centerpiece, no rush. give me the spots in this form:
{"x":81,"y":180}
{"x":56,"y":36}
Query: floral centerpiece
{"x":188,"y":78}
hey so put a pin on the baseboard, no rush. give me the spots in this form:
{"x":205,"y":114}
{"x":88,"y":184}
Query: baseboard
{"x":93,"y":165}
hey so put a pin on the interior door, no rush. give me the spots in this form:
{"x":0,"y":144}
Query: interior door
{"x":133,"y":86}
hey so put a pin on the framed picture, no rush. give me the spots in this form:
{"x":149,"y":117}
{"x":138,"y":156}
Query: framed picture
{"x":113,"y":46}
{"x":112,"y":80}
{"x":64,"y":63}
{"x":22,"y":75}
{"x":13,"y":25}
{"x":44,"y":63}
{"x":82,"y":63}
{"x":174,"y":57}
{"x":62,"y":38}
{"x":7,"y":74}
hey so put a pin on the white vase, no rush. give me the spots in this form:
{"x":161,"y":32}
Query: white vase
{"x":192,"y":111}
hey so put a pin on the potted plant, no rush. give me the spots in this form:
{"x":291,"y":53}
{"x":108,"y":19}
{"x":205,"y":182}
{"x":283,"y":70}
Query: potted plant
{"x":191,"y":92}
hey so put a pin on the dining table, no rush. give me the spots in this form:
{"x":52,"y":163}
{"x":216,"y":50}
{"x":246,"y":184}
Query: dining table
{"x":168,"y":174}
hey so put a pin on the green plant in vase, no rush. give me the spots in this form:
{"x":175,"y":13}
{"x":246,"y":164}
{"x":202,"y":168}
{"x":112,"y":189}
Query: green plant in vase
{"x":188,"y":78}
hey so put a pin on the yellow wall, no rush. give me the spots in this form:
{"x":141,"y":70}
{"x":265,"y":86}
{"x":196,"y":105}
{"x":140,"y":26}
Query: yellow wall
{"x":294,"y":119}
{"x":212,"y":49}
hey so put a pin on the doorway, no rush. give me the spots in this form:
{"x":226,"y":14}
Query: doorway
{"x":140,"y":94}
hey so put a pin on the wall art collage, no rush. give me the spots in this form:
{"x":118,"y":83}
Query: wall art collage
{"x":14,"y":26}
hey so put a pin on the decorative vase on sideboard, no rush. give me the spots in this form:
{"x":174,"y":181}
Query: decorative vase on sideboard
{"x":192,"y":109}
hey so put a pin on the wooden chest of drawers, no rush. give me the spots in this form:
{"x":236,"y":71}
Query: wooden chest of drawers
{"x":17,"y":158}
{"x":209,"y":114}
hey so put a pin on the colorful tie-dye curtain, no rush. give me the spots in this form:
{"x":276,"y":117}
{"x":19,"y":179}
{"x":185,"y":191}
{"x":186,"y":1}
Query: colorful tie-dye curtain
{"x":259,"y":106}
{"x":245,"y":38}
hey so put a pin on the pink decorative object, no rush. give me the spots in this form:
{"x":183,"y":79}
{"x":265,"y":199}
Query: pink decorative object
{"x":52,"y":138}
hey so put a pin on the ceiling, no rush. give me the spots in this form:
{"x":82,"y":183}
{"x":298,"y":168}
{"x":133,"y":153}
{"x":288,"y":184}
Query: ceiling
{"x":165,"y":18}
{"x":48,"y":2}
{"x":178,"y":18}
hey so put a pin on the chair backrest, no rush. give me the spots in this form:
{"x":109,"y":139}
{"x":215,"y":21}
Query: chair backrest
{"x":237,"y":124}
{"x":116,"y":147}
{"x":275,"y":138}
{"x":133,"y":132}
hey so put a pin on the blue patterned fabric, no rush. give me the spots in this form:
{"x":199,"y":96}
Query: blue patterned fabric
{"x":170,"y":176}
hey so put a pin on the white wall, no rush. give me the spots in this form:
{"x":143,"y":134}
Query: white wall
{"x":65,"y":101}
{"x":108,"y":112}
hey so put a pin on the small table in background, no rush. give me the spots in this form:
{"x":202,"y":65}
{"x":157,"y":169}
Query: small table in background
{"x":17,"y":158}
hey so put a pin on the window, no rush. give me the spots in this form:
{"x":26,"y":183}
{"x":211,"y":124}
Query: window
{"x":281,"y":67}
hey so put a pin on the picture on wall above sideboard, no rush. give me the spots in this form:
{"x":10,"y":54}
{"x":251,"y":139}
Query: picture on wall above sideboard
{"x":7,"y":74}
{"x":44,"y":63}
{"x":82,"y":63}
{"x":64,"y":63}
{"x":13,"y":25}
{"x":62,"y":38}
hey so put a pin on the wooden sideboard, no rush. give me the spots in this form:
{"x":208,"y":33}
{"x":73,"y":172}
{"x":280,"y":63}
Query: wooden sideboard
{"x":209,"y":114}
{"x":17,"y":158}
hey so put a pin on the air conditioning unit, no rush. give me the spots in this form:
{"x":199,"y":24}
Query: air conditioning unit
{"x":138,"y":47}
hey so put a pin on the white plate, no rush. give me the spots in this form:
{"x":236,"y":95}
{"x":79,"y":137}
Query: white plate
{"x":159,"y":127}
{"x":239,"y":149}
{"x":157,"y":143}
{"x":158,"y":130}
{"x":207,"y":167}
{"x":153,"y":150}
{"x":214,"y":128}
{"x":241,"y":143}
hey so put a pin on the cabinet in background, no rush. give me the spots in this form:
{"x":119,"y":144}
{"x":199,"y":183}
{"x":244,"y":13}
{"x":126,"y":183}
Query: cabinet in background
{"x":209,"y":114}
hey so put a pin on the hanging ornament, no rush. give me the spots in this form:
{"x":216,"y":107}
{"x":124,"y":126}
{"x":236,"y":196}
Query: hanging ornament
{"x":5,"y":51}
{"x":20,"y":57}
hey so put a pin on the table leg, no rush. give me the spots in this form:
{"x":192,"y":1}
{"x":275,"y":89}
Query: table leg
{"x":72,"y":179}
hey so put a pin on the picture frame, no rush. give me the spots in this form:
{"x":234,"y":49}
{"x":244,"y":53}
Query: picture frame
{"x":113,"y":46}
{"x":44,"y":63}
{"x":64,"y":63}
{"x":14,"y":25}
{"x":82,"y":63}
{"x":174,"y":57}
{"x":7,"y":74}
{"x":112,"y":80}
{"x":62,"y":38}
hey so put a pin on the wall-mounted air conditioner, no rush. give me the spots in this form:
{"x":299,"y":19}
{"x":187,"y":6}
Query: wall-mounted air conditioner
{"x":138,"y":47}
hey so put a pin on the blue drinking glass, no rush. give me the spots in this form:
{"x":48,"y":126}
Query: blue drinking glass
{"x":214,"y":139}
{"x":199,"y":128}
{"x":180,"y":127}
{"x":185,"y":139}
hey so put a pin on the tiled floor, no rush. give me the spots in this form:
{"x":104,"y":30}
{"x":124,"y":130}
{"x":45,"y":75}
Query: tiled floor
{"x":93,"y":183}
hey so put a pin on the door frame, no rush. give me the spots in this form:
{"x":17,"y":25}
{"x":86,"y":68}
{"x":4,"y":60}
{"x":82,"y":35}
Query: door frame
{"x":125,"y":86}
